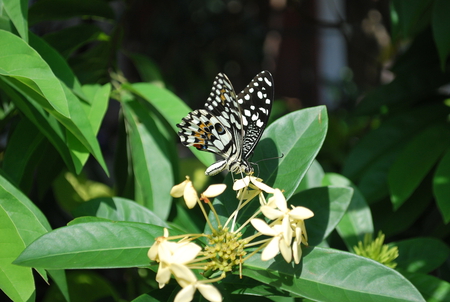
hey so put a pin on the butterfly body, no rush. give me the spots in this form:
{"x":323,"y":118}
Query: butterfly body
{"x":230,"y":125}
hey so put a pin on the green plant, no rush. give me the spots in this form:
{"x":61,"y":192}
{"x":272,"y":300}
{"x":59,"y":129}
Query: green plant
{"x":52,"y":110}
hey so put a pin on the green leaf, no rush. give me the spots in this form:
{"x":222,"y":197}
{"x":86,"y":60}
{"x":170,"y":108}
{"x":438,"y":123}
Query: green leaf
{"x":118,"y":209}
{"x":441,"y":186}
{"x":298,"y":136}
{"x":421,"y":255}
{"x":149,"y":153}
{"x":329,"y":204}
{"x":67,"y":40}
{"x":313,"y":177}
{"x":16,"y":282}
{"x":172,"y":108}
{"x":332,"y":275}
{"x":18,"y":60}
{"x":441,"y":27}
{"x":21,"y":222}
{"x":17,"y":11}
{"x":92,"y":245}
{"x":98,"y":97}
{"x":95,"y":111}
{"x":432,"y":289}
{"x":34,"y":79}
{"x":357,"y":220}
{"x":415,"y":161}
{"x":46,"y":10}
{"x":86,"y":219}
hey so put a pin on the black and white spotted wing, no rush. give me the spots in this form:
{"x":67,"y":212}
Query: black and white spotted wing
{"x":230,"y":126}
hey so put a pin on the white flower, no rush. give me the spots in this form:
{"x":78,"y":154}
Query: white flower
{"x":153,"y":251}
{"x":185,"y":189}
{"x":190,"y":284}
{"x":173,"y":258}
{"x":276,"y":244}
{"x":295,"y":216}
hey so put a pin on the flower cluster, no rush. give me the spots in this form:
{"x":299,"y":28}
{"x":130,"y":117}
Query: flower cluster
{"x":283,"y":229}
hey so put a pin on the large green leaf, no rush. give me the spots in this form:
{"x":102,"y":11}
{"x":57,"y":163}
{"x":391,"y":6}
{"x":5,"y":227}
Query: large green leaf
{"x":357,"y":220}
{"x":23,"y":68}
{"x":441,"y":186}
{"x":92,"y":245}
{"x":313,"y":177}
{"x":432,"y":289}
{"x":118,"y":209}
{"x":21,"y":222}
{"x":441,"y":27}
{"x":17,"y":11}
{"x":332,"y":275}
{"x":297,"y":137}
{"x":18,"y":60}
{"x":172,"y":108}
{"x":415,"y":162}
{"x":149,"y":154}
{"x":421,"y":255}
{"x":329,"y":205}
{"x":46,"y":10}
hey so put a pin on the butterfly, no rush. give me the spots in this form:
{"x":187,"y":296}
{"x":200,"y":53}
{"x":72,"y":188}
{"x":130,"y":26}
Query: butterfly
{"x":230,"y":125}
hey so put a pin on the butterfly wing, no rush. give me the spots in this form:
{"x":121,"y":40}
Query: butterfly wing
{"x":202,"y":130}
{"x":255,"y":102}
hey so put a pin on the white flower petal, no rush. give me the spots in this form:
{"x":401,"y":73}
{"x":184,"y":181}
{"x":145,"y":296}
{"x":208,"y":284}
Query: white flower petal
{"x":262,"y":227}
{"x":241,"y":183}
{"x":209,"y":292}
{"x":183,"y":274}
{"x":153,"y":251}
{"x":301,"y":213}
{"x":186,"y":253}
{"x":286,"y":251}
{"x":298,"y":233}
{"x":178,"y":190}
{"x":287,"y":230}
{"x":186,"y":294}
{"x":190,"y":195}
{"x":270,"y":212}
{"x":163,"y":275}
{"x":271,"y":250}
{"x":215,"y":190}
{"x":297,"y":252}
{"x":262,"y":186}
{"x":280,"y":200}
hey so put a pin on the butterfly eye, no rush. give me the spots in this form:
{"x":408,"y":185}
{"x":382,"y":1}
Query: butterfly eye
{"x":219,"y":128}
